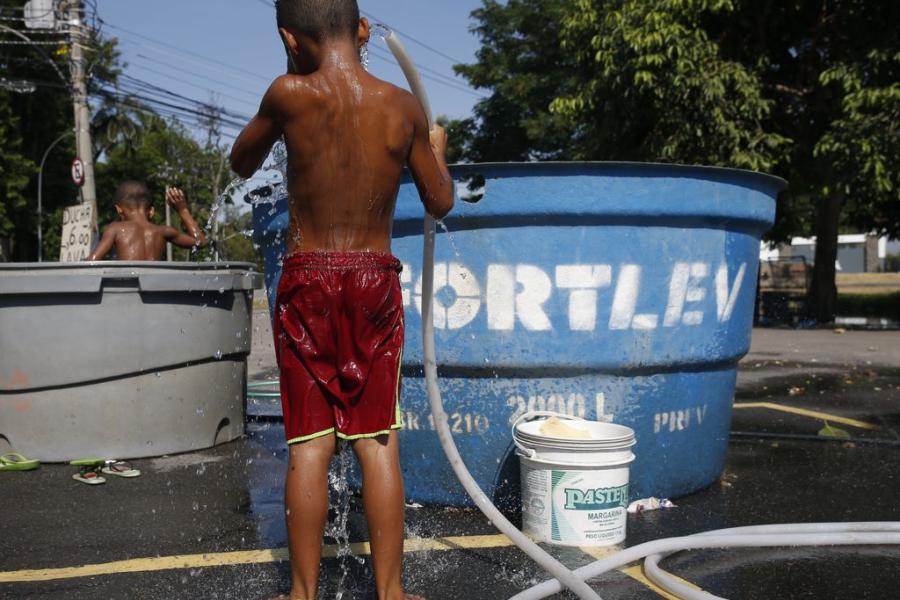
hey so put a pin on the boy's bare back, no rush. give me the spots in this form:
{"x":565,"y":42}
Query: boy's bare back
{"x":135,"y":237}
{"x":348,"y":136}
{"x":137,"y":241}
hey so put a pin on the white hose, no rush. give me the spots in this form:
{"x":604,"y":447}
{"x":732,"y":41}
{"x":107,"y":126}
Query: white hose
{"x":553,"y":566}
{"x":676,"y":587}
{"x":760,"y":536}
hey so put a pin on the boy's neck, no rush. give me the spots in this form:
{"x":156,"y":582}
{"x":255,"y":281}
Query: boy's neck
{"x":337,"y":54}
{"x":136,"y":218}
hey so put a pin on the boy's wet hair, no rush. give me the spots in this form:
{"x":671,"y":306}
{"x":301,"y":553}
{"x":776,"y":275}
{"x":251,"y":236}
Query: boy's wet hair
{"x":319,"y":19}
{"x":132,"y":194}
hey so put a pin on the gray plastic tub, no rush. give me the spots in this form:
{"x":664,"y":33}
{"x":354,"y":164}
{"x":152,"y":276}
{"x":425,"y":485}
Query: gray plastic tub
{"x":123,"y":360}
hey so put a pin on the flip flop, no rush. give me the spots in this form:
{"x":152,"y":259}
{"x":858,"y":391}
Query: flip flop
{"x":120,"y":468}
{"x":89,"y":475}
{"x":13,"y":461}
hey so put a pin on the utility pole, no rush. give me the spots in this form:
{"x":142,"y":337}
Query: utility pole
{"x":83,"y":146}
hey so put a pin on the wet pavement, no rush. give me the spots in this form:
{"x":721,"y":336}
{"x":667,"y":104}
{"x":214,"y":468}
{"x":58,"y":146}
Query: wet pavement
{"x":209,"y":524}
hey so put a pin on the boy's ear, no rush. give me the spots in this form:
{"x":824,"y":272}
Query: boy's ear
{"x":291,"y":47}
{"x":364,"y":32}
{"x":120,"y":212}
{"x":151,"y":212}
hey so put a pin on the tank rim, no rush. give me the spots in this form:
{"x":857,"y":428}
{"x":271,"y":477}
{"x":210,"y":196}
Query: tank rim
{"x":701,"y":170}
{"x":119,"y":265}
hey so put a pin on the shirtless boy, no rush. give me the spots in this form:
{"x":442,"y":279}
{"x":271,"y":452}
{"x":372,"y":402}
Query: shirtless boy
{"x":339,"y":317}
{"x":135,"y":237}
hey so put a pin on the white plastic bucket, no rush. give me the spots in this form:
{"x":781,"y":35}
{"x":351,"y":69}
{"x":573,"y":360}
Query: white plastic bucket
{"x":574,"y":491}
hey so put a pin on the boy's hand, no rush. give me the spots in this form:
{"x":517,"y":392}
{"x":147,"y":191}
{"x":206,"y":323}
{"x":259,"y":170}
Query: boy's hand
{"x":175,"y":198}
{"x":438,"y":138}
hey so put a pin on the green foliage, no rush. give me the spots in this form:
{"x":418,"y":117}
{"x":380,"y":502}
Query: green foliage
{"x":879,"y":306}
{"x":459,"y":134}
{"x":659,"y":88}
{"x":831,"y":431}
{"x":807,"y":90}
{"x":863,"y":142}
{"x":15,"y":169}
{"x":162,"y":153}
{"x":523,"y":64}
{"x":235,"y":243}
{"x":130,"y":142}
{"x":892,"y":264}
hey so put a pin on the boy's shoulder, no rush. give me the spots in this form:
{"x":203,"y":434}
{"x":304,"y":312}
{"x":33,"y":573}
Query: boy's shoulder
{"x":286,"y":90}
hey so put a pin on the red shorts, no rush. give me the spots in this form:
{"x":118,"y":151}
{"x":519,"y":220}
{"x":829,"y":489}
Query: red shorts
{"x":339,"y":341}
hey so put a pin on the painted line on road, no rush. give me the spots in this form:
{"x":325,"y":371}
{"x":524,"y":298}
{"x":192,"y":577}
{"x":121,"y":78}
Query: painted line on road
{"x":635,"y":571}
{"x":815,"y":414}
{"x":255,"y":557}
{"x":222,"y":559}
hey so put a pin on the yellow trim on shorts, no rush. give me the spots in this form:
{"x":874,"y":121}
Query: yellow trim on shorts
{"x":307,"y":438}
{"x":367,"y":436}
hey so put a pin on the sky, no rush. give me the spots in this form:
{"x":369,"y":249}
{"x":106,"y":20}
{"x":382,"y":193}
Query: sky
{"x":232,"y":52}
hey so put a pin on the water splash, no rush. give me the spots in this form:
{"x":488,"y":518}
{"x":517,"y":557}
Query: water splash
{"x":381,"y":30}
{"x":450,"y":238}
{"x":220,"y":202}
{"x":364,"y":56}
{"x":339,"y":487}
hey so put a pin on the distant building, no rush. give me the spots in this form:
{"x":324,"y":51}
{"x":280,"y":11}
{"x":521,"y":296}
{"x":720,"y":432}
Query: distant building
{"x":857,"y":253}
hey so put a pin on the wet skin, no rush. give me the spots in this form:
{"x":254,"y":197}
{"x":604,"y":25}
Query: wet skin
{"x":135,"y":238}
{"x":348,"y":136}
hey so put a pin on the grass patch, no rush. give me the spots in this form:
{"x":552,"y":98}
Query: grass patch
{"x":881,"y":306}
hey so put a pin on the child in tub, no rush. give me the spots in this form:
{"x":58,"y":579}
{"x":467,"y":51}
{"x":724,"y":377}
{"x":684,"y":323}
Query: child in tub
{"x":339,"y":315}
{"x":135,"y":237}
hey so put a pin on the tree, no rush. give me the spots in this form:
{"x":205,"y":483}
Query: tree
{"x":15,"y":172}
{"x":29,"y":122}
{"x":524,"y":65}
{"x":807,"y":90}
{"x":659,"y":89}
{"x":832,"y":68}
{"x":130,"y":141}
{"x":161,"y":153}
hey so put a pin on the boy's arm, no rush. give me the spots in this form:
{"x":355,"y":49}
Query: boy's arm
{"x":175,"y":198}
{"x":428,"y":164}
{"x":253,"y":144}
{"x":106,"y":244}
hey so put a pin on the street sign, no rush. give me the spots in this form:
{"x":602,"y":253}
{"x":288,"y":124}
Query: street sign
{"x":79,"y":223}
{"x":78,"y":172}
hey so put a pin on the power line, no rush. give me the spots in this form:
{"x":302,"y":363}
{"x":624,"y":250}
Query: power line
{"x":31,"y":43}
{"x":181,"y":57}
{"x":186,"y":82}
{"x":254,"y":95}
{"x":173,"y":47}
{"x":161,"y":108}
{"x":405,"y":35}
{"x":433,"y":75}
{"x":413,"y":40}
{"x":199,"y":103}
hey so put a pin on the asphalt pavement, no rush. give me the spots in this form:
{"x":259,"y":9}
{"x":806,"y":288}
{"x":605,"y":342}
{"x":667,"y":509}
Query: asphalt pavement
{"x":816,"y":437}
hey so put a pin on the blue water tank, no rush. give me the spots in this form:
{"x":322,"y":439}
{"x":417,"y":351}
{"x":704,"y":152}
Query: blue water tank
{"x":620,"y":292}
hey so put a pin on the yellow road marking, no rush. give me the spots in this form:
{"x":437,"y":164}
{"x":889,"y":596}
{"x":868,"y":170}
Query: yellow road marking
{"x":635,"y":572}
{"x":250,"y":557}
{"x":197,"y":561}
{"x":815,"y":414}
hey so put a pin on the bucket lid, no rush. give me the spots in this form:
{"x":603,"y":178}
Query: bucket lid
{"x":603,"y":436}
